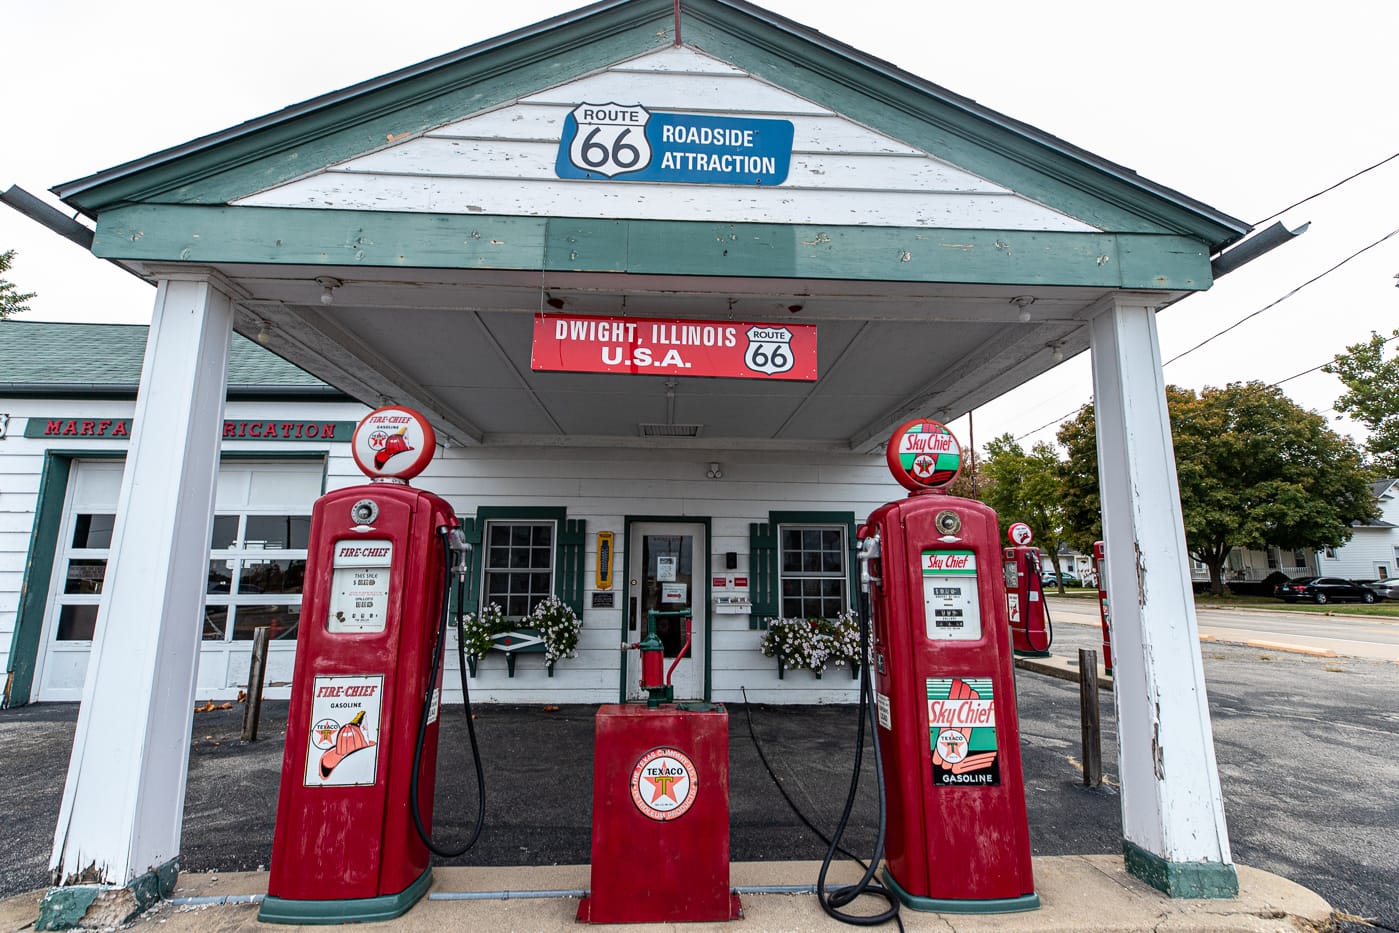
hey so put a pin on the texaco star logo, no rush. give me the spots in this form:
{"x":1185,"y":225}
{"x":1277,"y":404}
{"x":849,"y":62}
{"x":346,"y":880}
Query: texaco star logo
{"x":923,"y":466}
{"x":377,"y":440}
{"x":664,"y":783}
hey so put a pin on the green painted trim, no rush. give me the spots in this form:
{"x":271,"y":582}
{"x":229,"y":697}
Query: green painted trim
{"x":347,"y":910}
{"x":63,"y":908}
{"x":297,"y":236}
{"x":1216,"y":880}
{"x":38,"y":576}
{"x":708,"y":595}
{"x":338,"y":126}
{"x":943,"y":905}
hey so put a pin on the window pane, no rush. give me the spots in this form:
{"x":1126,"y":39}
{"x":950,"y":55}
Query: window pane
{"x":85,"y":576}
{"x":277,"y":532}
{"x":539,"y":558}
{"x":542,"y":536}
{"x":93,"y":530}
{"x":221,"y":576}
{"x":215,"y":622}
{"x":282,"y":620}
{"x":225,"y":532}
{"x":831,"y":562}
{"x":499,"y":557}
{"x":519,"y":535}
{"x":791,"y":561}
{"x":77,"y":623}
{"x":272,"y":576}
{"x":830,"y":540}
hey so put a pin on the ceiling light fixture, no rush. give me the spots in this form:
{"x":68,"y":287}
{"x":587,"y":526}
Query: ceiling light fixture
{"x":714,"y":470}
{"x":1056,"y":351}
{"x":328,"y":286}
{"x":555,"y":303}
{"x":1023,"y":302}
{"x":264,"y":334}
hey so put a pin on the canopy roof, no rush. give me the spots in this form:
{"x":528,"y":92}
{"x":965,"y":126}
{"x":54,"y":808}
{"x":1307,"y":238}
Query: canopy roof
{"x":914,"y":228}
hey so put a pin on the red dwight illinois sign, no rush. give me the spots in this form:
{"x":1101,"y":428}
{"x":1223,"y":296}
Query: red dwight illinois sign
{"x":656,"y":347}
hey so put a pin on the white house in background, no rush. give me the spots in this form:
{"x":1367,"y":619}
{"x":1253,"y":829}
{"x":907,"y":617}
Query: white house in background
{"x":1371,"y":553}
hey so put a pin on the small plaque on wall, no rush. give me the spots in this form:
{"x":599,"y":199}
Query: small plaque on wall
{"x":603,"y":600}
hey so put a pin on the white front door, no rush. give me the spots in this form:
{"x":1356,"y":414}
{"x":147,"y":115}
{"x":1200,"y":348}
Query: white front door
{"x":666,"y":567}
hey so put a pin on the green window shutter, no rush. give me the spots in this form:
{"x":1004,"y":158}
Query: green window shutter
{"x":570,"y":576}
{"x":471,"y":528}
{"x":762,"y":568}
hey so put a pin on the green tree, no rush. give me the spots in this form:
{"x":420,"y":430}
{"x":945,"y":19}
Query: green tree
{"x":1079,"y":503}
{"x":972,"y":481}
{"x":1256,"y":470}
{"x":12,"y":301}
{"x":1024,"y":486}
{"x":1372,"y":397}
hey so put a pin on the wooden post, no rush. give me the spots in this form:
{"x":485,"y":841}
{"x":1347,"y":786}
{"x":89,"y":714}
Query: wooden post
{"x":1088,"y":714}
{"x":256,"y":670}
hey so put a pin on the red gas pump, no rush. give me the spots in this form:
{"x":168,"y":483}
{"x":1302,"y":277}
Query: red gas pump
{"x":958,"y":836}
{"x":1027,"y":610}
{"x":345,"y":848}
{"x":1100,"y":570}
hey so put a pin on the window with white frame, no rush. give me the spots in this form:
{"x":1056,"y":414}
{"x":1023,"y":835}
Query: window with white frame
{"x":813,"y":571}
{"x":518,"y":565}
{"x":1299,"y":558}
{"x":84,"y":566}
{"x":257,"y":564}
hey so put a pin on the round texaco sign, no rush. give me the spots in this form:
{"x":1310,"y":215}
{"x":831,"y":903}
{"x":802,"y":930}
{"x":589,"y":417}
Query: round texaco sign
{"x":393,"y":443}
{"x":664,"y":783}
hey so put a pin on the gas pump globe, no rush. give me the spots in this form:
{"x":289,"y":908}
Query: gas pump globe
{"x":958,"y":838}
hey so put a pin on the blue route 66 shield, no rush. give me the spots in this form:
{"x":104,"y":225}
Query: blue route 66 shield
{"x":610,"y":139}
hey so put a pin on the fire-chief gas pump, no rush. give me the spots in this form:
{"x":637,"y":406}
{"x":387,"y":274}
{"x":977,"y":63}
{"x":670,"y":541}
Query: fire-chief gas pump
{"x":1031,"y":630}
{"x":660,"y":850}
{"x":358,"y":773}
{"x":958,"y":836}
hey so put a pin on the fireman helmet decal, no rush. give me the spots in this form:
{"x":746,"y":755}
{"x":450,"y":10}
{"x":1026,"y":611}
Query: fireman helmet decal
{"x":923,"y":454}
{"x":393,"y":443}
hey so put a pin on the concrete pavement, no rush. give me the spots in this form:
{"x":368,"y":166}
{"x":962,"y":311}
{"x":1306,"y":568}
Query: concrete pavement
{"x":1078,"y":893}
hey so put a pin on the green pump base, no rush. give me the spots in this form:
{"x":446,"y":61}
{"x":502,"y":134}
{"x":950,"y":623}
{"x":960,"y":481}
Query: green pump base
{"x":349,"y":910}
{"x":1031,"y":654}
{"x":949,"y":905}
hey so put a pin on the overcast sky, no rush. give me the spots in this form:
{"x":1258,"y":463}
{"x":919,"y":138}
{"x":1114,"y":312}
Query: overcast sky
{"x":1246,"y":106}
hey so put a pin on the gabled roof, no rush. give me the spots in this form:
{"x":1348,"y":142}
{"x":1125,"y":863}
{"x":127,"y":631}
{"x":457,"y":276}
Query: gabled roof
{"x":38,"y":358}
{"x":221,"y":167}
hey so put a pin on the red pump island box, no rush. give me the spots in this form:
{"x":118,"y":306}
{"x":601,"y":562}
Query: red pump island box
{"x":660,"y":816}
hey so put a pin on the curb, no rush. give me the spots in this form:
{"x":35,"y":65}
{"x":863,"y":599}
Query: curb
{"x":1294,"y":649}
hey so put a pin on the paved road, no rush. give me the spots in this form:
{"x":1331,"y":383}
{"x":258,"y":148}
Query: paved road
{"x":1350,"y":635}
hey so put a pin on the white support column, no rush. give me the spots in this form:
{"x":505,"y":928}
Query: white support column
{"x":118,"y":833}
{"x":1174,"y":835}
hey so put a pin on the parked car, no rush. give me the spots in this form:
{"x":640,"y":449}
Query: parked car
{"x":1322,"y":590}
{"x":1051,"y":579}
{"x":1384,"y":589}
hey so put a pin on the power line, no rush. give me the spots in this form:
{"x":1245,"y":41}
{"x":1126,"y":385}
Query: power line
{"x":1335,"y":359}
{"x":1273,"y":304}
{"x":1325,"y":190}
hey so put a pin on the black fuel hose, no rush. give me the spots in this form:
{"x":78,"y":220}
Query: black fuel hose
{"x":423,"y":832}
{"x":832,"y":899}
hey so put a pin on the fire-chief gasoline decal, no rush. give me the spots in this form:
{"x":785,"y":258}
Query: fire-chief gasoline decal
{"x":962,"y":730}
{"x":664,"y":783}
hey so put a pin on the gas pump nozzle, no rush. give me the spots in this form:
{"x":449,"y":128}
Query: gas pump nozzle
{"x":461,"y":551}
{"x":869,"y":550}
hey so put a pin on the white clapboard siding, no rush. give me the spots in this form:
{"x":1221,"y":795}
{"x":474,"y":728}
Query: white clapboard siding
{"x":603,"y":486}
{"x":502,"y":162}
{"x":646,"y":201}
{"x":536,"y":122}
{"x":464,"y":165}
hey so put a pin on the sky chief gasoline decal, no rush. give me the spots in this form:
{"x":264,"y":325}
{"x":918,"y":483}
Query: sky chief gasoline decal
{"x":664,"y":783}
{"x":962,"y":732}
{"x":649,"y":346}
{"x":627,"y":142}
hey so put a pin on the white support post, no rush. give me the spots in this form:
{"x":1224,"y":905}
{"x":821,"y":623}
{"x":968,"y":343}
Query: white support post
{"x":118,"y":836}
{"x":1174,"y":834}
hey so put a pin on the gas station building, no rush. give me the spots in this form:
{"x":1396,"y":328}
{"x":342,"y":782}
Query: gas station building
{"x":663,"y":276}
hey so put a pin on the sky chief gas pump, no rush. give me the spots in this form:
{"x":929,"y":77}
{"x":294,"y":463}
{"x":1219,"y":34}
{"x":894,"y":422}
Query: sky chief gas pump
{"x":349,"y":843}
{"x":958,"y":836}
